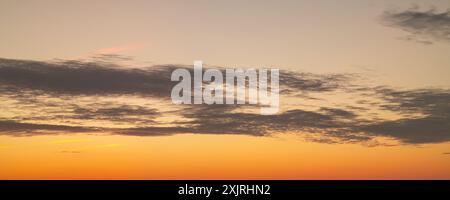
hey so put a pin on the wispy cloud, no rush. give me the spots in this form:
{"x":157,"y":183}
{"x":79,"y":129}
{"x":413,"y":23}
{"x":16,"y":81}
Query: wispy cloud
{"x":83,"y":78}
{"x":69,"y":97}
{"x":29,"y":129}
{"x":74,"y":77}
{"x":423,"y":26}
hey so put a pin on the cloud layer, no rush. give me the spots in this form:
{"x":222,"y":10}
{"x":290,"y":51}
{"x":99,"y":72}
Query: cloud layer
{"x":423,"y":26}
{"x":87,"y":96}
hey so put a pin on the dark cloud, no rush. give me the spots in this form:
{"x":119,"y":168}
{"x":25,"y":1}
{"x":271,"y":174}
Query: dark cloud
{"x":105,"y":78}
{"x":426,"y":101}
{"x":327,"y":124}
{"x":308,"y":82}
{"x":127,"y":113}
{"x":338,"y":112}
{"x":425,"y":112}
{"x":421,"y":130}
{"x":153,"y":131}
{"x":432,"y":124}
{"x":14,"y":128}
{"x":424,"y":26}
{"x":84,"y":78}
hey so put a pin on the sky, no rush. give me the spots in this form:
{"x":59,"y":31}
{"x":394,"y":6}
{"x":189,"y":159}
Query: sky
{"x":85,"y":90}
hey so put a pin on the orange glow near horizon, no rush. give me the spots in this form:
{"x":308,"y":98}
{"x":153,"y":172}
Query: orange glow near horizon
{"x":213,"y":157}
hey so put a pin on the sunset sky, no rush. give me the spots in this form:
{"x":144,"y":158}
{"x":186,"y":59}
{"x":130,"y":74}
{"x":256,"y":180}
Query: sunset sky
{"x":85,"y":89}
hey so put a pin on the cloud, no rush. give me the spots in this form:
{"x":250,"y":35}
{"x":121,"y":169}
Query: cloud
{"x":423,"y":26}
{"x":432,"y":125}
{"x":83,"y":78}
{"x":427,"y":120}
{"x":74,"y":77}
{"x":52,"y":91}
{"x":121,"y":113}
{"x":427,"y":101}
{"x":14,"y":128}
{"x":309,"y":82}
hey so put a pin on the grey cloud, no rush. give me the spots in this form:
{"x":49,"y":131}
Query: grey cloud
{"x":329,"y":125}
{"x":153,"y":131}
{"x":105,"y":78}
{"x":422,"y":25}
{"x":426,"y":111}
{"x":421,"y":130}
{"x":427,"y":101}
{"x":338,"y":112}
{"x":223,"y":119}
{"x":83,"y":78}
{"x":308,"y":82}
{"x":14,"y":128}
{"x":129,"y":113}
{"x":433,"y":124}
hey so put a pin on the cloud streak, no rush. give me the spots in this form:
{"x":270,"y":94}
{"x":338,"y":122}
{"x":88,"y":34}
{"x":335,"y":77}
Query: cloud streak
{"x":14,"y":128}
{"x":423,"y":26}
{"x":73,"y":92}
{"x":83,"y":78}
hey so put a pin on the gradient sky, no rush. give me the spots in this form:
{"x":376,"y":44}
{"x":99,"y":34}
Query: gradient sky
{"x":84,"y":90}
